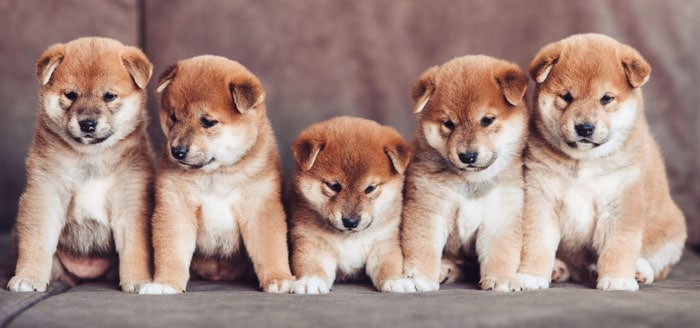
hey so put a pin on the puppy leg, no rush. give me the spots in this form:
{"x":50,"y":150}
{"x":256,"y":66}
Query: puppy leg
{"x":38,"y":228}
{"x":560,"y":272}
{"x":541,"y":235}
{"x":498,"y":248}
{"x":314,"y":267}
{"x":423,"y":239}
{"x":265,"y":238}
{"x":450,"y":271}
{"x":385,"y":267}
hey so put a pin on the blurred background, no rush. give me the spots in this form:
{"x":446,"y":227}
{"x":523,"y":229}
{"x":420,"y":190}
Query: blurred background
{"x":319,"y":59}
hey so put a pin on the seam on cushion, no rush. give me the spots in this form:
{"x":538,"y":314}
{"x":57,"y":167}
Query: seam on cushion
{"x":55,"y":288}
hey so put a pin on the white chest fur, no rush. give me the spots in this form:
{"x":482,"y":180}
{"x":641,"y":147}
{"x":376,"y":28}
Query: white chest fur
{"x":217,"y":233}
{"x":353,"y":251}
{"x":90,"y":200}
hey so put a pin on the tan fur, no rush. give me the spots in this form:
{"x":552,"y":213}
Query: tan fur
{"x":455,"y":209}
{"x":351,"y":155}
{"x":222,"y":202}
{"x":86,"y":201}
{"x":606,"y":199}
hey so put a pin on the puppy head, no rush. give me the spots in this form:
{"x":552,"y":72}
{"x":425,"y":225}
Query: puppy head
{"x":588,"y":94}
{"x":210,"y":111}
{"x":471,"y":111}
{"x":93,"y":91}
{"x":351,"y":171}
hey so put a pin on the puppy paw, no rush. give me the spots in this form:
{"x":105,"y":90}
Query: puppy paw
{"x":609,"y":283}
{"x":561,"y":272}
{"x":645,"y":274}
{"x":310,"y":285}
{"x":159,"y":289}
{"x":501,"y":284}
{"x":531,"y":282}
{"x":278,"y":286}
{"x":401,"y":285}
{"x":22,"y":284}
{"x":133,"y":286}
{"x":424,"y":285}
{"x":449,"y":271}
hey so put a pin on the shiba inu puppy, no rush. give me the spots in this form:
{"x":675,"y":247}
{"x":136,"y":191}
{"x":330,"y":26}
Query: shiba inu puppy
{"x":464,"y":185}
{"x":89,"y":169}
{"x":596,"y":183}
{"x":345,"y":203}
{"x":218,"y":184}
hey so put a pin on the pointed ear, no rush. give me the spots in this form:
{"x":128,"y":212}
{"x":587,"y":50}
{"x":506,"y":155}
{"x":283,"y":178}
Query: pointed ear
{"x":166,"y":77}
{"x":48,"y":62}
{"x":513,"y":83}
{"x":306,"y":151}
{"x":399,"y":154}
{"x":423,"y":89}
{"x":138,"y":65}
{"x":636,"y":67}
{"x":248,"y":93}
{"x":543,"y":62}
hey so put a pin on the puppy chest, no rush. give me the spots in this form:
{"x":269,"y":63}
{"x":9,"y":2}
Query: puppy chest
{"x":352,"y":256}
{"x":89,"y":201}
{"x":217,"y":233}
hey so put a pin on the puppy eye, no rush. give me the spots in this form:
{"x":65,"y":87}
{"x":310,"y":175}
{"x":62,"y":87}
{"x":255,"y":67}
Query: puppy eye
{"x":606,"y":99}
{"x":207,"y":123}
{"x":487,"y":120}
{"x":109,"y":97}
{"x":370,"y":189}
{"x":173,"y":117}
{"x":72,"y":96}
{"x":336,"y":187}
{"x":449,"y":124}
{"x":567,"y":97}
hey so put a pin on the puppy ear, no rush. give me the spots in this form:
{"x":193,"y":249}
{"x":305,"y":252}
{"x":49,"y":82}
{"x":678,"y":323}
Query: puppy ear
{"x":543,"y":62}
{"x":138,"y":65}
{"x":166,"y":77}
{"x":636,"y":67}
{"x":306,"y":151}
{"x":247,"y":94}
{"x":423,"y":89}
{"x":399,"y":154}
{"x":48,"y":62}
{"x":513,"y":83}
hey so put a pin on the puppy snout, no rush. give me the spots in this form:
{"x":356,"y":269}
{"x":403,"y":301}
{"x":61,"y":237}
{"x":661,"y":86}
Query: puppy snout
{"x":88,"y":125}
{"x":585,"y":130}
{"x":179,"y":152}
{"x":468,"y":157}
{"x":351,"y":223}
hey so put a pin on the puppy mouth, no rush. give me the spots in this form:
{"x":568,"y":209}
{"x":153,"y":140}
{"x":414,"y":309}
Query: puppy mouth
{"x":345,"y":230}
{"x":478,"y":168}
{"x":195,"y":166}
{"x":90,"y":139}
{"x":582,"y":142}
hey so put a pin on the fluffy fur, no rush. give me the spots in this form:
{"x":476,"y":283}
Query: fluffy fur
{"x":597,"y":191}
{"x":464,"y":185}
{"x":346,"y":205}
{"x":89,"y":169}
{"x":218,"y":185}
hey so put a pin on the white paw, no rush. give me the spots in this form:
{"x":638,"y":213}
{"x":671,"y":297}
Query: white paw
{"x":158,"y":289}
{"x":279,"y":286}
{"x":401,"y":285}
{"x":310,"y":285}
{"x":531,"y":282}
{"x":561,"y":272}
{"x":645,"y":274}
{"x":501,"y":284}
{"x":609,"y":283}
{"x":449,"y":271}
{"x":132,"y":286}
{"x":21,"y":284}
{"x":424,"y":285}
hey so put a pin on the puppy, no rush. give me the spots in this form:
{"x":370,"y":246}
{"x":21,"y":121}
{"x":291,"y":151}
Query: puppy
{"x":596,"y":182}
{"x":218,"y":185}
{"x":89,"y":169}
{"x":464,"y":185}
{"x":346,"y":205}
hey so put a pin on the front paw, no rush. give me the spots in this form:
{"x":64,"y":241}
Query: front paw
{"x":561,"y":272}
{"x":310,"y":285}
{"x":400,"y":285}
{"x":23,"y":284}
{"x":423,"y":284}
{"x":502,"y":284}
{"x":133,"y":286}
{"x":532,"y":282}
{"x":159,"y":289}
{"x":644,"y":272}
{"x":610,"y":283}
{"x":449,"y":272}
{"x":278,"y":286}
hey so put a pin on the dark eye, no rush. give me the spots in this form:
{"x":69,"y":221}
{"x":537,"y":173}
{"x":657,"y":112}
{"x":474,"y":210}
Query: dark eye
{"x":207,"y":123}
{"x":606,"y":99}
{"x":173,"y":117}
{"x":449,"y":124}
{"x":370,"y":189}
{"x":487,"y":120}
{"x":336,"y":187}
{"x":72,"y":96}
{"x":567,"y":97}
{"x":109,"y":97}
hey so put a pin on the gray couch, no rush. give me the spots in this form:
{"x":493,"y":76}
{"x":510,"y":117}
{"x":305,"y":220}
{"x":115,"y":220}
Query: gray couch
{"x":319,"y":59}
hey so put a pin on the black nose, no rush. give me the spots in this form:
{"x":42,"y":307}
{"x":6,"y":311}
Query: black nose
{"x":179,"y":152}
{"x":87,"y":125}
{"x":468,"y":157}
{"x":351,"y":223}
{"x":585,"y":129}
